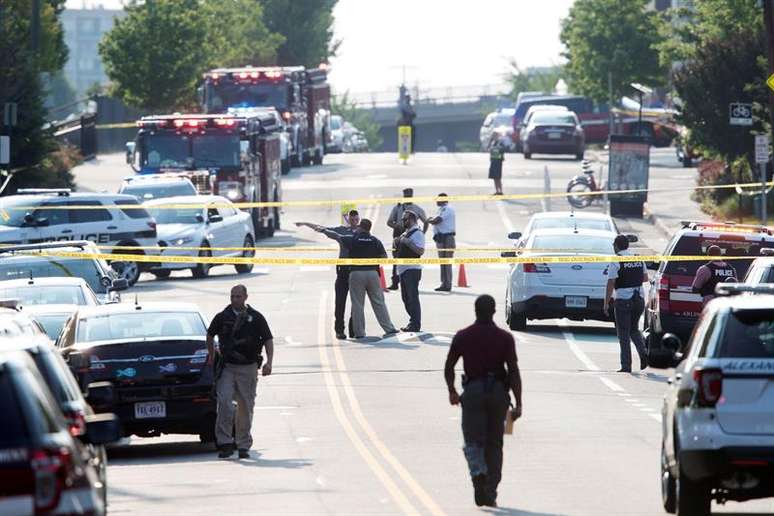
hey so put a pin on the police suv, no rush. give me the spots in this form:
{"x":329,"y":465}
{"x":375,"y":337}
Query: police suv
{"x":37,"y":215}
{"x":718,"y":422}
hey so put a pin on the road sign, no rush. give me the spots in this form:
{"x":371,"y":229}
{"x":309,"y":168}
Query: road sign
{"x":770,"y":81}
{"x":5,"y":150}
{"x":762,"y":142}
{"x":740,"y":113}
{"x":404,"y":142}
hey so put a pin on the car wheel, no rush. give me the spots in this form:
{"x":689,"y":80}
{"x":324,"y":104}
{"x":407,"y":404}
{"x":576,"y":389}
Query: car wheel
{"x":161,"y":273}
{"x":130,"y":271}
{"x":579,"y":201}
{"x":668,"y":486}
{"x":517,"y":321}
{"x":244,"y":268}
{"x":202,"y":270}
{"x":693,"y":498}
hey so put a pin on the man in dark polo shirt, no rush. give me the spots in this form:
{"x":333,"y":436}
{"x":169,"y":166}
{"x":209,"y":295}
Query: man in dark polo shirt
{"x":242,"y":335}
{"x":491,"y":368}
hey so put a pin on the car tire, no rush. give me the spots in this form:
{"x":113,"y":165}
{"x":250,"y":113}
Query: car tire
{"x":202,"y":270}
{"x":693,"y":498}
{"x":162,"y":273}
{"x":517,"y":321}
{"x":246,"y":253}
{"x":130,"y":271}
{"x":668,"y":486}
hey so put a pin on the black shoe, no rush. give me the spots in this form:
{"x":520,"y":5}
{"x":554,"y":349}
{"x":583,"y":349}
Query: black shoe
{"x":341,"y":335}
{"x":390,"y":334}
{"x":225,"y":452}
{"x":410,"y":329}
{"x":623,"y":370}
{"x":643,"y":362}
{"x":479,"y":490}
{"x":443,"y":289}
{"x":244,"y":454}
{"x":490,"y":503}
{"x":394,"y":286}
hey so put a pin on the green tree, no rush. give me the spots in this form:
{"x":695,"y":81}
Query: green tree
{"x":532,"y":79}
{"x":360,"y":118}
{"x":238,"y":35}
{"x":611,"y":36}
{"x":307,"y":27}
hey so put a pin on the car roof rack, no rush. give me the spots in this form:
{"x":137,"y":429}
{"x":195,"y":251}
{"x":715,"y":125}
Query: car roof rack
{"x":734,"y":289}
{"x":62,"y":192}
{"x":46,"y":245}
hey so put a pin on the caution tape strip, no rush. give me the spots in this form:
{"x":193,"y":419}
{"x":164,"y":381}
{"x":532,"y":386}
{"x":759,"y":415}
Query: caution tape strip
{"x":295,"y":249}
{"x":255,"y":260}
{"x":122,"y":125}
{"x":392,"y":200}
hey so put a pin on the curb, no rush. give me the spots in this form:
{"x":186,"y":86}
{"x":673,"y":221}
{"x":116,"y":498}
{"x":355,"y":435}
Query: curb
{"x":657,"y":222}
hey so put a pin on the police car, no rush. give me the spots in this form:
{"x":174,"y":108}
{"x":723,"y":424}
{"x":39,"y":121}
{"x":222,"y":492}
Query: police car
{"x":567,"y":220}
{"x":157,"y":186}
{"x":36,"y":215}
{"x":718,"y":422}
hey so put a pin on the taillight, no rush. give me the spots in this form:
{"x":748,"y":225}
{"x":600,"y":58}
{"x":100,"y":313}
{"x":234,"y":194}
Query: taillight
{"x":76,"y":422}
{"x":52,"y":471}
{"x":536,"y":267}
{"x":709,"y":386}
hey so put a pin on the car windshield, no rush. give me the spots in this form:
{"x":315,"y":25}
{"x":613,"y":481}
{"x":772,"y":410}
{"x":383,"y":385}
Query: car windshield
{"x":52,"y":323}
{"x":235,"y":95}
{"x":748,"y":334}
{"x":176,"y":215}
{"x":335,"y":123}
{"x":163,"y":149}
{"x":573,"y":244}
{"x":221,"y":150}
{"x":730,"y":245}
{"x":10,"y":214}
{"x":140,"y":325}
{"x":553,"y":118}
{"x":19,"y":267}
{"x":46,"y":295}
{"x":571,"y":222}
{"x":184,"y":151}
{"x":159,"y":191}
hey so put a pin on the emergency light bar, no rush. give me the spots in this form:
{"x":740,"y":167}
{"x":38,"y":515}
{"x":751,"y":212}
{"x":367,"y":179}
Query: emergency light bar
{"x":733,"y":289}
{"x":187,"y":122}
{"x":730,"y":227}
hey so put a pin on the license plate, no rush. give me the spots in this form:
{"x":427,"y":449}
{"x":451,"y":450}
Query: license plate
{"x":554,"y":136}
{"x":150,"y":409}
{"x":576,"y":301}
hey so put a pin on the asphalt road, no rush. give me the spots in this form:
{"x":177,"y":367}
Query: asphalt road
{"x":346,"y":427}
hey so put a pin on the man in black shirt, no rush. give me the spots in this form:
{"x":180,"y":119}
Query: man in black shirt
{"x":486,"y":351}
{"x":242,"y":335}
{"x":365,"y":279}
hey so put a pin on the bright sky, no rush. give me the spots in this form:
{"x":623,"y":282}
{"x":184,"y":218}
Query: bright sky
{"x":441,"y":42}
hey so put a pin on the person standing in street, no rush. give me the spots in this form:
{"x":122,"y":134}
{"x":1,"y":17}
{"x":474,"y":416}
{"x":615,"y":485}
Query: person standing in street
{"x":496,"y":158}
{"x":444,"y":233}
{"x":364,"y":279}
{"x":411,"y":244}
{"x":243,"y":334}
{"x":711,"y":273}
{"x":624,"y":283}
{"x":395,"y":222}
{"x":341,"y":287}
{"x":491,"y":368}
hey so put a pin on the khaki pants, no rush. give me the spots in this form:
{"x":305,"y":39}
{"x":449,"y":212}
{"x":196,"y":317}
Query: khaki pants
{"x":236,"y":382}
{"x":360,"y":283}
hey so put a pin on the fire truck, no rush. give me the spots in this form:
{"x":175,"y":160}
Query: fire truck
{"x":301,"y":95}
{"x":237,"y":157}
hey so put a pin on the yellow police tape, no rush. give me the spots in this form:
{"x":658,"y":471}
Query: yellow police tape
{"x":147,"y":258}
{"x":389,"y":200}
{"x":122,"y":125}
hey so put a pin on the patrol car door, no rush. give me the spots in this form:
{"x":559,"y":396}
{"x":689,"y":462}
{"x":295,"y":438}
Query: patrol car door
{"x":233,"y":229}
{"x":216,"y":230}
{"x":50,"y":224}
{"x":94,"y":224}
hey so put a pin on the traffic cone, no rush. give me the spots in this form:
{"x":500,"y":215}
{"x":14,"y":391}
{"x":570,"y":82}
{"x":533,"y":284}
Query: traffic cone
{"x":462,"y":278}
{"x":382,"y":281}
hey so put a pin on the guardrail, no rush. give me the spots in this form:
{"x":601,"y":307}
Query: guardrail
{"x":80,"y":132}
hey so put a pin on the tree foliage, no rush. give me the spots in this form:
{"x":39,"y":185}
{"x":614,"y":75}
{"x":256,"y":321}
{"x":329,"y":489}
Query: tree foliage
{"x":307,"y":27}
{"x":360,"y":118}
{"x":532,"y":79}
{"x":618,"y":36}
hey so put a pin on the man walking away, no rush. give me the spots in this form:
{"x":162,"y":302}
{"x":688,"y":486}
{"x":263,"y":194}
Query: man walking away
{"x":341,"y":288}
{"x":365,"y":279}
{"x":395,"y":222}
{"x":496,"y":158}
{"x":486,"y":351}
{"x":712,"y":273}
{"x":242,"y":335}
{"x":444,"y":234}
{"x":625,"y":280}
{"x":411,"y":244}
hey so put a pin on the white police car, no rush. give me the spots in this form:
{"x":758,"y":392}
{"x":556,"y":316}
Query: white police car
{"x":156,"y":186}
{"x":718,"y":413}
{"x":207,"y":221}
{"x":36,"y":215}
{"x":567,"y":220}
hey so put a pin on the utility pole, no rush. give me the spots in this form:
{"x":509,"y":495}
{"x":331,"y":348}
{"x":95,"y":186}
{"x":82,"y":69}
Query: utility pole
{"x":768,"y":20}
{"x":35,"y":28}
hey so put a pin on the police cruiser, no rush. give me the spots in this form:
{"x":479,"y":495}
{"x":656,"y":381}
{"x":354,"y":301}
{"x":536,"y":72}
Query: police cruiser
{"x":37,"y":215}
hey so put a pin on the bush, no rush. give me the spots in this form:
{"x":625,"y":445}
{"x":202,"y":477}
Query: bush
{"x":53,"y":171}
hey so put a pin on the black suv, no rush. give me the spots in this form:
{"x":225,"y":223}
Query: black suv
{"x":43,"y":468}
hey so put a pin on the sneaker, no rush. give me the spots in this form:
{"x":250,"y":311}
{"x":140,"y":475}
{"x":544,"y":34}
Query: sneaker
{"x":390,"y":334}
{"x":409,"y":329}
{"x":225,"y":452}
{"x":624,"y":370}
{"x":479,"y":490}
{"x":244,"y":454}
{"x":443,"y":289}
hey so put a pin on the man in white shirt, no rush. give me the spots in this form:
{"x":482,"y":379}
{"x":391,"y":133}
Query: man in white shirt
{"x":411,"y":244}
{"x":444,"y":233}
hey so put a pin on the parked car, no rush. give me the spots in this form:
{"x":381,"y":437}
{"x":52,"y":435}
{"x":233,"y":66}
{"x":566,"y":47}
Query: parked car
{"x":499,"y":123}
{"x":46,"y":291}
{"x":155,"y":354}
{"x":337,"y":135}
{"x":44,"y":468}
{"x":51,"y":318}
{"x":32,"y":261}
{"x":718,"y":423}
{"x":553,"y":132}
{"x":567,"y":220}
{"x":210,"y":222}
{"x":157,"y":186}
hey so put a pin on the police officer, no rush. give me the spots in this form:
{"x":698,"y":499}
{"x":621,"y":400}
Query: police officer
{"x":444,"y":233}
{"x":395,"y":222}
{"x":625,"y":280}
{"x":496,"y":158}
{"x":411,"y":244}
{"x":365,"y":279}
{"x":712,"y":273}
{"x":341,"y":286}
{"x":486,"y":351}
{"x":242,"y":335}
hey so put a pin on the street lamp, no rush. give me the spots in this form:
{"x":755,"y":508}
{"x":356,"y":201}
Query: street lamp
{"x":641,"y":91}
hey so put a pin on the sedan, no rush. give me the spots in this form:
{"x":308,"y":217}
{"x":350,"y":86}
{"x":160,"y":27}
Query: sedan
{"x":567,"y":220}
{"x":49,"y":291}
{"x":553,"y":132}
{"x":202,"y":225}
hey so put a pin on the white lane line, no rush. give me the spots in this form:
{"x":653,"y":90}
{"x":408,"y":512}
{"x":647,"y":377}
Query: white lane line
{"x":315,"y":268}
{"x":657,"y":417}
{"x":576,"y":350}
{"x":612,"y":385}
{"x":504,"y":216}
{"x":290,"y":342}
{"x":275,"y":407}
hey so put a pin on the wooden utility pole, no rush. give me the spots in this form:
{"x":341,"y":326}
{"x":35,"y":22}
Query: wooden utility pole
{"x":768,"y":20}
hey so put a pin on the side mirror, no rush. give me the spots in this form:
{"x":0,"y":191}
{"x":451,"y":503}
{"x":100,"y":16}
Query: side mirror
{"x":102,"y":429}
{"x":118,"y":284}
{"x":100,"y":395}
{"x":652,"y":266}
{"x":130,"y":147}
{"x":508,"y":254}
{"x":41,"y":222}
{"x":632,"y":238}
{"x":514,"y":235}
{"x":216,"y":218}
{"x":28,"y":218}
{"x":199,"y":217}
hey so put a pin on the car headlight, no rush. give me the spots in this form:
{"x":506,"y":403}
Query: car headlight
{"x":232,"y":190}
{"x":183,"y":240}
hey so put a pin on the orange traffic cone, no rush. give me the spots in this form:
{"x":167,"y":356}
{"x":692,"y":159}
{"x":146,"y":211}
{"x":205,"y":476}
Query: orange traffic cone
{"x":382,"y":281}
{"x":462,"y":278}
